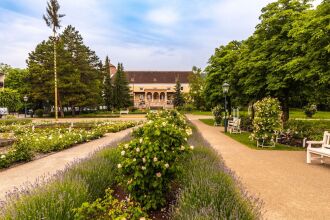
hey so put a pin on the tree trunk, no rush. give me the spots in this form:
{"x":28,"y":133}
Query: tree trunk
{"x":73,"y":111}
{"x":285,"y":109}
{"x":60,"y":105}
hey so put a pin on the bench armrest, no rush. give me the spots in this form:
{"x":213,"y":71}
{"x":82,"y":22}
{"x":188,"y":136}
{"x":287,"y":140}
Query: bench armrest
{"x":310,"y":143}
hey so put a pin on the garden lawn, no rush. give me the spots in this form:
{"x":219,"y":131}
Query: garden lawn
{"x":294,"y":113}
{"x":208,"y":121}
{"x":244,"y":139}
{"x":299,"y":113}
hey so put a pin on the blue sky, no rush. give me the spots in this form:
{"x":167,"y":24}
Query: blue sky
{"x":143,"y":34}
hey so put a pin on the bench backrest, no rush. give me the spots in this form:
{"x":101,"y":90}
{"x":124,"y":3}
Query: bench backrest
{"x":326,"y":140}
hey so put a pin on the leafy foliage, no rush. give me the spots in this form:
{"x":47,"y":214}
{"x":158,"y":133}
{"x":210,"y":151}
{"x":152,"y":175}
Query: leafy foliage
{"x":108,"y":87}
{"x":217,"y":113}
{"x":148,"y":162}
{"x":286,"y":57}
{"x":121,"y":92}
{"x":178,"y":99}
{"x":267,"y":121}
{"x":110,"y":208}
{"x":310,"y":110}
{"x":196,"y":88}
{"x":10,"y":98}
{"x":79,"y":71}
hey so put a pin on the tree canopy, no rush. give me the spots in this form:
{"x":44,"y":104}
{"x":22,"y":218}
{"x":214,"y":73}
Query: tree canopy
{"x":79,"y":70}
{"x":287,"y":57}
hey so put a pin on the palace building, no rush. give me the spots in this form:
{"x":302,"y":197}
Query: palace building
{"x":154,"y":89}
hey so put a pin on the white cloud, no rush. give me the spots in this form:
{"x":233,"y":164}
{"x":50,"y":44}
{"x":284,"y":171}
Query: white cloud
{"x":164,"y":35}
{"x":164,"y":16}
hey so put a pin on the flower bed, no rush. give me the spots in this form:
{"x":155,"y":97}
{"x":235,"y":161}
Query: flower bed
{"x":146,"y":167}
{"x":30,"y":140}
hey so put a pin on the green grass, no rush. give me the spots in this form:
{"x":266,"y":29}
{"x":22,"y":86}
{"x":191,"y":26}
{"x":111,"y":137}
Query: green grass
{"x":208,"y":190}
{"x":299,"y":113}
{"x":243,"y":138}
{"x":208,"y":121}
{"x":201,"y":112}
{"x":294,"y":113}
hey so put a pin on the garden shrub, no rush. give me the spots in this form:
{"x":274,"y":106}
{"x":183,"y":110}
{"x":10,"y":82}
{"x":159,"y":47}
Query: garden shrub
{"x":55,"y":199}
{"x":217,"y":113}
{"x":208,"y":189}
{"x":148,"y":162}
{"x":267,"y":121}
{"x":312,"y":130}
{"x":310,"y":110}
{"x":39,"y":113}
{"x":110,"y":208}
{"x":51,"y":201}
{"x":246,"y":123}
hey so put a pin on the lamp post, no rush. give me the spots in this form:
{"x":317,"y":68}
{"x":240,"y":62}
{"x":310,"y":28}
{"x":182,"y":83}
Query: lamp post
{"x":25,"y":100}
{"x":225,"y":88}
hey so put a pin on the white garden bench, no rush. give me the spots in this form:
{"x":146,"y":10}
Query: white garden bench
{"x":323,"y":151}
{"x":123,"y":112}
{"x":235,"y":125}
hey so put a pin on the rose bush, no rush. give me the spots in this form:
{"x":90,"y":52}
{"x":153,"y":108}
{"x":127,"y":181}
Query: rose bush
{"x":148,"y":162}
{"x":267,"y":121}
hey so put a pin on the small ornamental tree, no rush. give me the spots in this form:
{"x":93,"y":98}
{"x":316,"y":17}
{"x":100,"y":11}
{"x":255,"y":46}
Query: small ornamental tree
{"x":217,"y":113}
{"x":178,"y":100}
{"x":310,"y":110}
{"x":267,"y":121}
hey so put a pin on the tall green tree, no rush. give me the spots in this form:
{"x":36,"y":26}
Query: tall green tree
{"x":121,"y":91}
{"x":52,"y":19}
{"x":222,"y":68}
{"x":80,"y":73}
{"x":178,"y":99}
{"x":196,"y":88}
{"x":108,"y":87}
{"x":311,"y":33}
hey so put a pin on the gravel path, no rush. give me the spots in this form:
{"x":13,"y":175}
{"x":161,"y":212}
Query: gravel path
{"x":47,"y":166}
{"x":290,"y":188}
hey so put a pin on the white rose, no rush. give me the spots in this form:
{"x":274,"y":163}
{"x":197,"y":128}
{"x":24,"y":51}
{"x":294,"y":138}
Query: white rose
{"x":182,"y":147}
{"x":119,"y":166}
{"x":167,"y":165}
{"x":143,"y":168}
{"x":158,"y":174}
{"x":144,"y":159}
{"x":126,"y":146}
{"x":123,"y":153}
{"x":155,"y":159}
{"x":134,"y":159}
{"x":3,"y":156}
{"x":141,"y":140}
{"x":137,"y":149}
{"x":192,"y":147}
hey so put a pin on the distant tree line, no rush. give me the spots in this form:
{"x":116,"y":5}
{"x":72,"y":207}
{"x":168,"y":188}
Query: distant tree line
{"x":287,"y":57}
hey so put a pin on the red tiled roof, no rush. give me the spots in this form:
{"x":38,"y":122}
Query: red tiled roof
{"x":157,"y":76}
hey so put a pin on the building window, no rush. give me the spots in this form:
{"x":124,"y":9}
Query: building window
{"x":181,"y":88}
{"x":141,"y":88}
{"x":168,"y":88}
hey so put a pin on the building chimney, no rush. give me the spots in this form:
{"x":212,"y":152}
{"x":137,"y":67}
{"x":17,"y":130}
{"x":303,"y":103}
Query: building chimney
{"x":113,"y":70}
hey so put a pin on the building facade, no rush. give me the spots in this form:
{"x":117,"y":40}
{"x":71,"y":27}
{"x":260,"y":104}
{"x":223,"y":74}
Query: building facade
{"x":155,"y":89}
